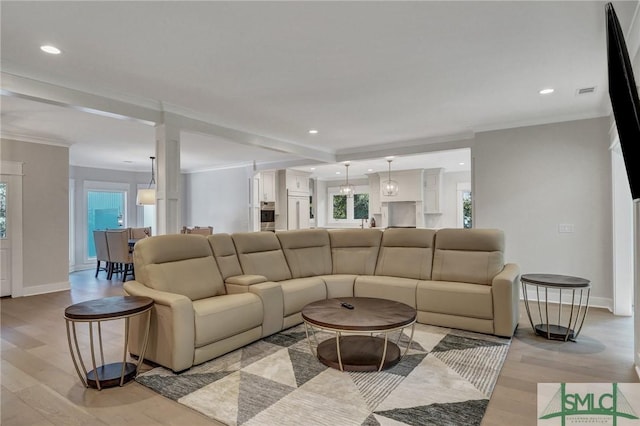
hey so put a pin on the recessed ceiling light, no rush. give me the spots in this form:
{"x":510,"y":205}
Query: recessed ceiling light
{"x":127,"y":161}
{"x":313,"y":168}
{"x":462,"y":164}
{"x":546,"y":91}
{"x":337,"y":173}
{"x":50,"y":49}
{"x":313,"y":132}
{"x":369,"y":170}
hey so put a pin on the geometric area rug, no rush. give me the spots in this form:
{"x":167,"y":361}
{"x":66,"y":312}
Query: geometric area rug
{"x":446,"y":378}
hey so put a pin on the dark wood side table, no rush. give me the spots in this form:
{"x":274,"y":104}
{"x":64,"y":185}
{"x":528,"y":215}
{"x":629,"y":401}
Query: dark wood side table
{"x":95,"y":312}
{"x":360,"y":349}
{"x":577,"y":311}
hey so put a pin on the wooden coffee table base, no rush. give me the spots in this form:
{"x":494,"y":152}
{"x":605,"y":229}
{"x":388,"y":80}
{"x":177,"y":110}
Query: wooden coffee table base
{"x":358,"y":353}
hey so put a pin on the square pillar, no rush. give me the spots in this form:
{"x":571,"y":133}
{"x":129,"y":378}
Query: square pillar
{"x":168,"y":179}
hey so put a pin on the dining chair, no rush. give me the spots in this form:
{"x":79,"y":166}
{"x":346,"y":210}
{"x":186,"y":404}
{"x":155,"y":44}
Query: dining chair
{"x":102,"y":251}
{"x":138,"y":233}
{"x":201,"y":230}
{"x":119,"y":254}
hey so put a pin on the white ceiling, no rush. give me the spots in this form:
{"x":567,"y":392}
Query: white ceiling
{"x":367,"y":75}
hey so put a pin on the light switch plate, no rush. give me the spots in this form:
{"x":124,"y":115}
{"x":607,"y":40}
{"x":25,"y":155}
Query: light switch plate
{"x":565,"y":228}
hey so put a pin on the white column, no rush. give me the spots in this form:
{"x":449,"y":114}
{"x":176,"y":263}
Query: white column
{"x":636,"y":216}
{"x":622,"y":214}
{"x":168,"y":179}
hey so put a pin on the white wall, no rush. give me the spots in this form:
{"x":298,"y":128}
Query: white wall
{"x":45,"y":214}
{"x":529,"y":180}
{"x":449,"y":216}
{"x":218,"y":198}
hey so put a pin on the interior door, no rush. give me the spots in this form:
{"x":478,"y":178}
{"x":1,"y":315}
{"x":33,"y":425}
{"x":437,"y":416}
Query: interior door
{"x":5,"y":242}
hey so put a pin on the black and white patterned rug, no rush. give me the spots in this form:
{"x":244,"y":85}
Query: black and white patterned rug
{"x":446,"y":378}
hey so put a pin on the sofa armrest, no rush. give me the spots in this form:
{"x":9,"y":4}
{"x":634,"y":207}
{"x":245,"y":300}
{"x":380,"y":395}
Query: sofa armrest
{"x":172,"y":332}
{"x":241,"y":283}
{"x":506,"y":300}
{"x":270,"y":294}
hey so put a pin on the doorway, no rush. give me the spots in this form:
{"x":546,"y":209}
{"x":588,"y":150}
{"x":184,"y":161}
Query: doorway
{"x":11,"y":229}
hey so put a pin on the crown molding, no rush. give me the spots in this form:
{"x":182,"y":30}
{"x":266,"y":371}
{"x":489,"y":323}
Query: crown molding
{"x":35,"y":139}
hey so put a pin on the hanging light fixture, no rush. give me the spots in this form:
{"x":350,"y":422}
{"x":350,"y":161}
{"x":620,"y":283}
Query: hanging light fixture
{"x":148,"y":196}
{"x":347,"y":189}
{"x":389,"y":187}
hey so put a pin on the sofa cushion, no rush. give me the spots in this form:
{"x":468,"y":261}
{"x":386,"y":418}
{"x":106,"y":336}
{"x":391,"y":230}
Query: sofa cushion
{"x":339,"y":285}
{"x":354,"y":251}
{"x":392,"y":288}
{"x":217,"y":318}
{"x":181,"y":264}
{"x":406,"y":253}
{"x":260,"y":254}
{"x":225,"y":253}
{"x":299,"y":292}
{"x":468,"y":255}
{"x":455,"y":298}
{"x":307,"y":251}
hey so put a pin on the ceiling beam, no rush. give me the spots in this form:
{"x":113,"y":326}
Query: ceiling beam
{"x":246,"y":138}
{"x":409,"y":147}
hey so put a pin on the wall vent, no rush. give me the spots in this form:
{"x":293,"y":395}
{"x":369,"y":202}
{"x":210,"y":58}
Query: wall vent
{"x":586,"y":90}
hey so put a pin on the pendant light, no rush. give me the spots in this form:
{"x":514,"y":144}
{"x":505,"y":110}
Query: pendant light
{"x":390,"y":187}
{"x":147,"y":196}
{"x":347,"y":189}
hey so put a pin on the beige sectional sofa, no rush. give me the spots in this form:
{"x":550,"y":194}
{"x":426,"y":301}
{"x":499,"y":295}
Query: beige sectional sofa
{"x":218,"y":293}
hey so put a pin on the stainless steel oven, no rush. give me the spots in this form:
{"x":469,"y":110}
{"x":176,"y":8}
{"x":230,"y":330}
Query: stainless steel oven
{"x":267,"y":216}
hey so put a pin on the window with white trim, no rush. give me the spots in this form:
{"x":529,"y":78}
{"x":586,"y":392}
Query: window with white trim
{"x":348,"y":210}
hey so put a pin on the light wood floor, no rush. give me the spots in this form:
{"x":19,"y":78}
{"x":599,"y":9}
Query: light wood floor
{"x":39,"y":385}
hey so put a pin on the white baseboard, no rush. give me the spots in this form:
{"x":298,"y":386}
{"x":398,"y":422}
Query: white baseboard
{"x":594,"y":302}
{"x":46,"y":288}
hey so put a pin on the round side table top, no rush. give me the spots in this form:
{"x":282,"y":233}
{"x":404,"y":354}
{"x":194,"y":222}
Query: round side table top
{"x":368,"y":314}
{"x":552,"y":280}
{"x":108,"y":307}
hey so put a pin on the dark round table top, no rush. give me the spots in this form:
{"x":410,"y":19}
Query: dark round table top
{"x":552,"y":280}
{"x":368,"y":314}
{"x":108,"y":307}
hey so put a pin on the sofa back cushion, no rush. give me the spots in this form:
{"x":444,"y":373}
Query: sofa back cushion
{"x":225,"y":253}
{"x":181,"y":264}
{"x":260,"y":254}
{"x":354,"y":251}
{"x":406,"y":253}
{"x":307,"y":251}
{"x":468,"y":255}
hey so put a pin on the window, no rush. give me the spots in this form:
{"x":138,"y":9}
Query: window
{"x":343,"y":209}
{"x":104,"y":211}
{"x":361,"y":206}
{"x":466,"y":209}
{"x":465,"y":205}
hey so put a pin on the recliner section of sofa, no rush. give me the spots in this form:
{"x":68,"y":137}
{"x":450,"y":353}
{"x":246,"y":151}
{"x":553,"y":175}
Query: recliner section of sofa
{"x":221,"y":292}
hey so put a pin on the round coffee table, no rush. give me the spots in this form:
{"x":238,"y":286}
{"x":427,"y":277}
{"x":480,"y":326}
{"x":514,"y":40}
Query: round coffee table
{"x":577,"y":311}
{"x":361,"y":349}
{"x":97,"y":311}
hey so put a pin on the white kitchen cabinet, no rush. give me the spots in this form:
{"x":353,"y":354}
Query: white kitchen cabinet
{"x":298,"y":182}
{"x":433,"y":191}
{"x":298,"y":212}
{"x":268,"y":185}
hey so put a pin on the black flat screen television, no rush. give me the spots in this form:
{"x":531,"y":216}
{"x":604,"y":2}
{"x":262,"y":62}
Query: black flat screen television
{"x":624,"y":99}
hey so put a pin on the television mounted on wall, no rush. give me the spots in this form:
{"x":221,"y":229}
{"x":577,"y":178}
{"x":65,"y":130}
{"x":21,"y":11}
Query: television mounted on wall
{"x":624,"y":99}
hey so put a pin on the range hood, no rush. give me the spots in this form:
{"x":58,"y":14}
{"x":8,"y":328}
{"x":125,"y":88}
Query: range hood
{"x":402,"y":214}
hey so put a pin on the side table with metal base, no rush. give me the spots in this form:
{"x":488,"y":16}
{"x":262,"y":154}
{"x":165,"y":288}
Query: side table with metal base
{"x":95,"y":312}
{"x":577,"y":311}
